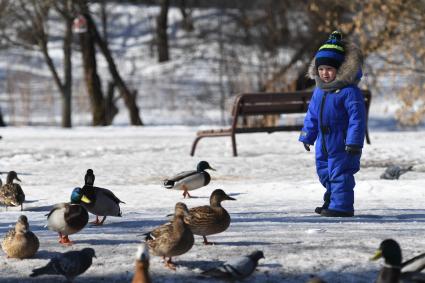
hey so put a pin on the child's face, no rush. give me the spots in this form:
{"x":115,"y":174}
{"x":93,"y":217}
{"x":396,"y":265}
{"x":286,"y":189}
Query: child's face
{"x":326,"y":73}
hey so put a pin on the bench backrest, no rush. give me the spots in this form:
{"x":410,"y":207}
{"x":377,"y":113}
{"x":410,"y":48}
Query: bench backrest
{"x":247,"y":104}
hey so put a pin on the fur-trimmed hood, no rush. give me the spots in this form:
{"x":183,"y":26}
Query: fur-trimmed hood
{"x":350,"y":71}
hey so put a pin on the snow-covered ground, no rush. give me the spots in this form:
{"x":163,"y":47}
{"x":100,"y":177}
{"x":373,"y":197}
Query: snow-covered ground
{"x":273,"y":180}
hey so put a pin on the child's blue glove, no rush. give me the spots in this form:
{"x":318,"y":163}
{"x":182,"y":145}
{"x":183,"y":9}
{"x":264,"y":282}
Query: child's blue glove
{"x":353,"y":149}
{"x":306,"y":146}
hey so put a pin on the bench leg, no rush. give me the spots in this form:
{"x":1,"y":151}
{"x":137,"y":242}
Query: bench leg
{"x":235,"y":153}
{"x":195,"y":142}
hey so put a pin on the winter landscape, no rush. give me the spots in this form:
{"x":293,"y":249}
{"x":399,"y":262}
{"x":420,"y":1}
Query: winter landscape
{"x":273,"y":179}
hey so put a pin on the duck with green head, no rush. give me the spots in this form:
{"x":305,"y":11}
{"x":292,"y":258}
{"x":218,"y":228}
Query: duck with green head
{"x":394,"y":270}
{"x":190,"y":180}
{"x":102,"y":202}
{"x":11,"y":194}
{"x":68,"y":218}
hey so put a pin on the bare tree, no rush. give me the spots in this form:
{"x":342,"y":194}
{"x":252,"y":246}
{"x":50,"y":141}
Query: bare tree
{"x":128,"y":96}
{"x":392,"y":33}
{"x":187,"y":16}
{"x":91,"y":77}
{"x":161,"y":31}
{"x":29,"y":20}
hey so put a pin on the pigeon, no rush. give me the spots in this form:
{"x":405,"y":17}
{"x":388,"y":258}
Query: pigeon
{"x":141,"y":272}
{"x":394,"y":172}
{"x":394,"y":270}
{"x":69,"y":264}
{"x":237,"y":268}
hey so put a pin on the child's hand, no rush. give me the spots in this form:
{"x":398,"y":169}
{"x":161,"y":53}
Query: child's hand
{"x":306,"y":146}
{"x":353,"y":149}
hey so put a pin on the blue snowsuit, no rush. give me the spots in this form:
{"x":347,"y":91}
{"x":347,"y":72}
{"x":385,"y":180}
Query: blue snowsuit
{"x":336,"y":119}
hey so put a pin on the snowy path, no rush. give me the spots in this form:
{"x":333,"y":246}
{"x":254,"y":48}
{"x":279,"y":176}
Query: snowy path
{"x":273,"y":180}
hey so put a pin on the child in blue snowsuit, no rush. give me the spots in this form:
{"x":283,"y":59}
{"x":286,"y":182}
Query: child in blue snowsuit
{"x":336,"y":122}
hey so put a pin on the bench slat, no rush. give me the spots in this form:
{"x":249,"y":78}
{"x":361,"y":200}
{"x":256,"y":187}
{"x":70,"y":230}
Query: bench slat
{"x":259,"y":109}
{"x":274,"y":97}
{"x":269,"y":129}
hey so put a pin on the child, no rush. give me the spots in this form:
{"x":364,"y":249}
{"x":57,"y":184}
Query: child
{"x":336,"y":121}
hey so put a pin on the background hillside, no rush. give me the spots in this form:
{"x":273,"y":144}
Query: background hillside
{"x":208,"y":65}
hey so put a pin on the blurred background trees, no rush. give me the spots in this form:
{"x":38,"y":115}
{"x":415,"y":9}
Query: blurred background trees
{"x":193,"y":56}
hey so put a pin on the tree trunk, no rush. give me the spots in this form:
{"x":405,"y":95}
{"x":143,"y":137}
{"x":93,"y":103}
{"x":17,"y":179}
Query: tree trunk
{"x":64,"y":87}
{"x":110,"y":108}
{"x":161,"y":32}
{"x":129,"y":98}
{"x":67,"y":85}
{"x":93,"y":85}
{"x":187,"y":17}
{"x":2,"y":123}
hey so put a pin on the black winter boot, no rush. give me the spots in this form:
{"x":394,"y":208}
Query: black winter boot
{"x":336,"y":213}
{"x":327,"y":201}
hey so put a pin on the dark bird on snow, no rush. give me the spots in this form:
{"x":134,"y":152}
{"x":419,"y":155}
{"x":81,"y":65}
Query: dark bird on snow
{"x":69,"y":264}
{"x":394,"y":172}
{"x":394,"y":270}
{"x":210,"y":219}
{"x":101,"y":202}
{"x":11,"y":194}
{"x":237,"y":268}
{"x":190,"y":180}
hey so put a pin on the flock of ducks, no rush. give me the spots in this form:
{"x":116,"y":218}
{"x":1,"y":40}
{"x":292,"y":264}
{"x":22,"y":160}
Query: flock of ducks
{"x":167,"y":241}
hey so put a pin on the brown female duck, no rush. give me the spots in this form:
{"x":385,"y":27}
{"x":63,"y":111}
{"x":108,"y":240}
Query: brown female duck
{"x":171,"y":239}
{"x":11,"y":194}
{"x":20,"y":242}
{"x":210,"y":219}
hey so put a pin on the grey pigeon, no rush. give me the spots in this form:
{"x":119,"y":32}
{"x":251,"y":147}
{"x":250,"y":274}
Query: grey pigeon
{"x":69,"y":264}
{"x":394,"y":172}
{"x":237,"y":268}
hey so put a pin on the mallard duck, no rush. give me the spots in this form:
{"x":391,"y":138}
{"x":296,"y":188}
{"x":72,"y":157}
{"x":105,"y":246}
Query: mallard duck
{"x":210,"y":219}
{"x":190,"y":180}
{"x":237,"y":268}
{"x":20,"y":242}
{"x":11,"y":194}
{"x":68,"y":218}
{"x":394,"y":270}
{"x":103,"y":202}
{"x":69,"y":264}
{"x":171,"y":239}
{"x":141,"y":271}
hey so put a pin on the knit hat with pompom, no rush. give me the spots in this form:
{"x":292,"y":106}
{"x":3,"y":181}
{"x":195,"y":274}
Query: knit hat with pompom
{"x":332,"y":52}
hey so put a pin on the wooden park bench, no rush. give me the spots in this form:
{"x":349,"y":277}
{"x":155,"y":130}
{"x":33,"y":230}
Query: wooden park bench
{"x":251,"y":104}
